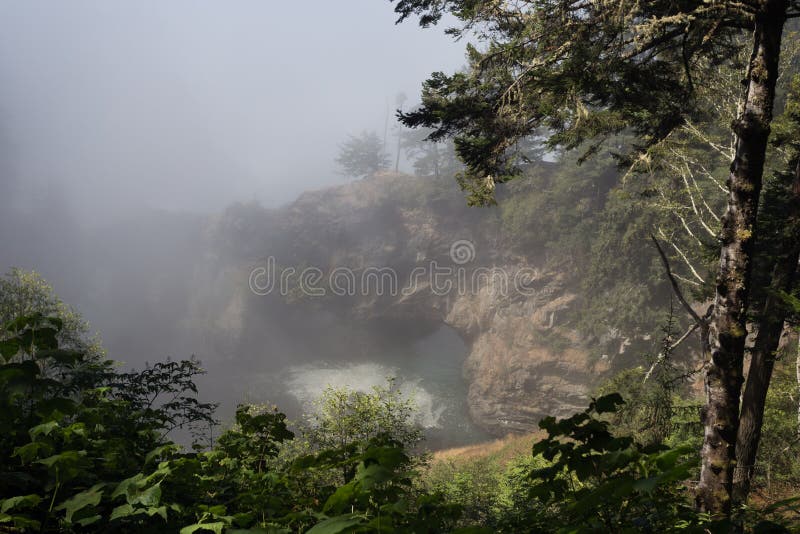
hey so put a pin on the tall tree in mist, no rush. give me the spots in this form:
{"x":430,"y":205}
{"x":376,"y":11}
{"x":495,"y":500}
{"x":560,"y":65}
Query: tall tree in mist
{"x":621,"y":71}
{"x":399,"y":100}
{"x":363,"y":155}
{"x":429,"y":158}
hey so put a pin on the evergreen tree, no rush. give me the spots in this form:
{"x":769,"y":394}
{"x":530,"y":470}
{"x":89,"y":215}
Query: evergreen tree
{"x":363,"y":155}
{"x":429,"y":158}
{"x":621,"y":73}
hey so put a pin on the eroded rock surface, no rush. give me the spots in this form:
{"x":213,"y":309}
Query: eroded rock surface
{"x":523,"y":361}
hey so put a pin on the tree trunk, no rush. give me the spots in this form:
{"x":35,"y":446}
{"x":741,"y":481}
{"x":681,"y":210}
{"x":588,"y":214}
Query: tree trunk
{"x":797,"y":378}
{"x":727,"y":328}
{"x":771,"y":320}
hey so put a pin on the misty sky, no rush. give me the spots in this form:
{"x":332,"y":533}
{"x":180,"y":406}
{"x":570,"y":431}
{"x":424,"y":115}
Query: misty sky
{"x":108,"y":106}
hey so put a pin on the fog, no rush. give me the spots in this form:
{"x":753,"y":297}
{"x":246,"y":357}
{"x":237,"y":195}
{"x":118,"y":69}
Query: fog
{"x":189,"y":105}
{"x":125,"y":127}
{"x":110,"y":110}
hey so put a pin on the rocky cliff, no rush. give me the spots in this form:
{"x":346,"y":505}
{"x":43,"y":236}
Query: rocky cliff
{"x":403,"y":256}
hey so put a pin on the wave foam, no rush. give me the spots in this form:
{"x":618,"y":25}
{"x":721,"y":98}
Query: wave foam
{"x":307,"y":382}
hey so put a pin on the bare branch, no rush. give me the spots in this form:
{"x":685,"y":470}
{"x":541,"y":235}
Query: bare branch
{"x":703,"y":199}
{"x":675,"y":287}
{"x":683,"y":256}
{"x":663,"y":356}
{"x":723,"y":151}
{"x":687,"y":280}
{"x":691,"y":198}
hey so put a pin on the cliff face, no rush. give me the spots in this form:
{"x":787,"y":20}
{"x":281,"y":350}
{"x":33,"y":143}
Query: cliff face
{"x":516,"y":372}
{"x":522,"y":362}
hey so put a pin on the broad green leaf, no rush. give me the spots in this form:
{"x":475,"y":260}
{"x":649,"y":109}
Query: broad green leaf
{"x":149,"y":497}
{"x":335,"y":525}
{"x":90,"y":497}
{"x":216,"y":527}
{"x":55,"y":408}
{"x":257,"y":530}
{"x":9,"y":348}
{"x":646,"y":485}
{"x":89,"y":520}
{"x":67,"y":463}
{"x":123,"y":510}
{"x":160,"y":451}
{"x":22,"y":523}
{"x":668,"y":459}
{"x":218,"y":509}
{"x":373,"y":474}
{"x":341,"y":498}
{"x":20,"y":502}
{"x":31,"y":451}
{"x":161,"y":511}
{"x":43,"y":429}
{"x":125,"y":487}
{"x":66,"y":457}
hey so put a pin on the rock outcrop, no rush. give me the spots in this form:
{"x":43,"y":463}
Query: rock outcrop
{"x":523,"y":360}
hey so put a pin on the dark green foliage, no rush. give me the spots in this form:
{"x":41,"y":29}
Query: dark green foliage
{"x":659,"y":409}
{"x":24,"y":293}
{"x":777,"y":231}
{"x":491,"y":487}
{"x":585,"y":477}
{"x":347,"y":420}
{"x":380,"y":497}
{"x":599,"y":481}
{"x":777,"y":469}
{"x":84,"y":449}
{"x":624,"y":295}
{"x":69,"y":436}
{"x":582,"y":73}
{"x":234,"y":485}
{"x":163,"y":396}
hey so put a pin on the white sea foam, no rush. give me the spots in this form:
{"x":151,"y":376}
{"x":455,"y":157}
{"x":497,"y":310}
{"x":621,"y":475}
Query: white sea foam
{"x":307,"y":382}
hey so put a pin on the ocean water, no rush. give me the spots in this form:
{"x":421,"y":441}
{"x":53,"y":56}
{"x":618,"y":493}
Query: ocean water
{"x":427,"y":370}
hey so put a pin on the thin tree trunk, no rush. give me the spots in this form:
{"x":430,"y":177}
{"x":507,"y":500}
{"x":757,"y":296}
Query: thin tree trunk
{"x":727,"y":328}
{"x":397,"y":159}
{"x":797,"y":377}
{"x":771,"y":321}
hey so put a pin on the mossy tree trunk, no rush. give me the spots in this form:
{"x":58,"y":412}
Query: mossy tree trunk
{"x":727,"y":328}
{"x":771,"y":322}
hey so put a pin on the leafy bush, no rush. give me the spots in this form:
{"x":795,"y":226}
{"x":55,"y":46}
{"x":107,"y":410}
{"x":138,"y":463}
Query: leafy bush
{"x":70,"y":436}
{"x":599,"y":481}
{"x":24,"y":293}
{"x":85,"y":448}
{"x":490,"y":488}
